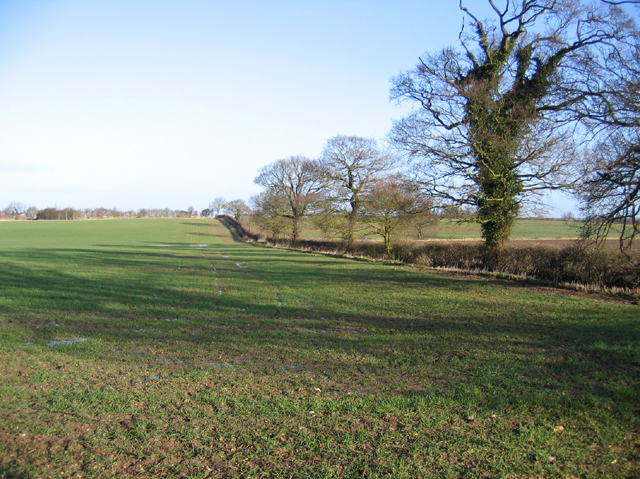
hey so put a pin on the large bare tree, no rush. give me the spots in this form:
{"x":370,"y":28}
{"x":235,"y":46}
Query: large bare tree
{"x":611,"y":190}
{"x":297,"y":180}
{"x":497,"y":117}
{"x":351,"y":164}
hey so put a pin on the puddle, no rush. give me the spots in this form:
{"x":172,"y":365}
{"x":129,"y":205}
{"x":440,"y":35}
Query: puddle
{"x":66,"y":342}
{"x":200,"y":245}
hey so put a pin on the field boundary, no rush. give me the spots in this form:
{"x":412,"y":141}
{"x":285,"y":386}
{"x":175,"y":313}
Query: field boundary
{"x":575,"y":265}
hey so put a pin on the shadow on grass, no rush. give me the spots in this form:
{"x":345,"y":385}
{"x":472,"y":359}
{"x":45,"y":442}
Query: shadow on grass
{"x":397,"y":330}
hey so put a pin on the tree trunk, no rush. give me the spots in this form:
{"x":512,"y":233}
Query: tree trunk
{"x":351,"y":230}
{"x":387,"y":245}
{"x":295,"y":229}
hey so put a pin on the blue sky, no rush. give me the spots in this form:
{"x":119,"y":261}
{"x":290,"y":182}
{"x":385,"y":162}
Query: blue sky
{"x":137,"y":104}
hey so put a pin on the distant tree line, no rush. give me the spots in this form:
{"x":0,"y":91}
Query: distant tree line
{"x":20,"y":211}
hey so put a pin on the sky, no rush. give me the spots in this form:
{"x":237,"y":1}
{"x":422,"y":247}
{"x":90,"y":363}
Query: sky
{"x":152,"y":104}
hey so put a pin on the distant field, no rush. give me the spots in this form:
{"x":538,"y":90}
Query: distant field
{"x":161,"y":348}
{"x":529,"y":229}
{"x":446,"y":229}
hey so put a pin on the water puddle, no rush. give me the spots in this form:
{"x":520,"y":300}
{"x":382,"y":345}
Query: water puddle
{"x":66,"y":342}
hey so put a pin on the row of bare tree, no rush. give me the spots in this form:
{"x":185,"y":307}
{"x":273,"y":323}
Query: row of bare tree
{"x":354,"y":181}
{"x":19,"y":211}
{"x":545,"y":95}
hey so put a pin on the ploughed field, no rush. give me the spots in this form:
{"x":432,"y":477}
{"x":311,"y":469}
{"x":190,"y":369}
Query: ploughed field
{"x":151,"y":348}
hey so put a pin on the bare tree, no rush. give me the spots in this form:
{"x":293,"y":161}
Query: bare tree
{"x":328,"y":222}
{"x":424,"y":218}
{"x":611,"y":192}
{"x":351,"y":164}
{"x":296,"y":180}
{"x":270,"y":212}
{"x":217,"y":205}
{"x":390,"y":203}
{"x":498,"y":116}
{"x":237,"y":208}
{"x":15,"y":210}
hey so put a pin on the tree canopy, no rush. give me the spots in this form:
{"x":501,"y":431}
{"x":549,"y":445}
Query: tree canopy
{"x":297,"y":181}
{"x":351,"y":164}
{"x":497,"y":116}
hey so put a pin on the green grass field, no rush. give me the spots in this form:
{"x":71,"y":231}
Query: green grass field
{"x":161,"y":348}
{"x":448,"y":229}
{"x":523,"y":229}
